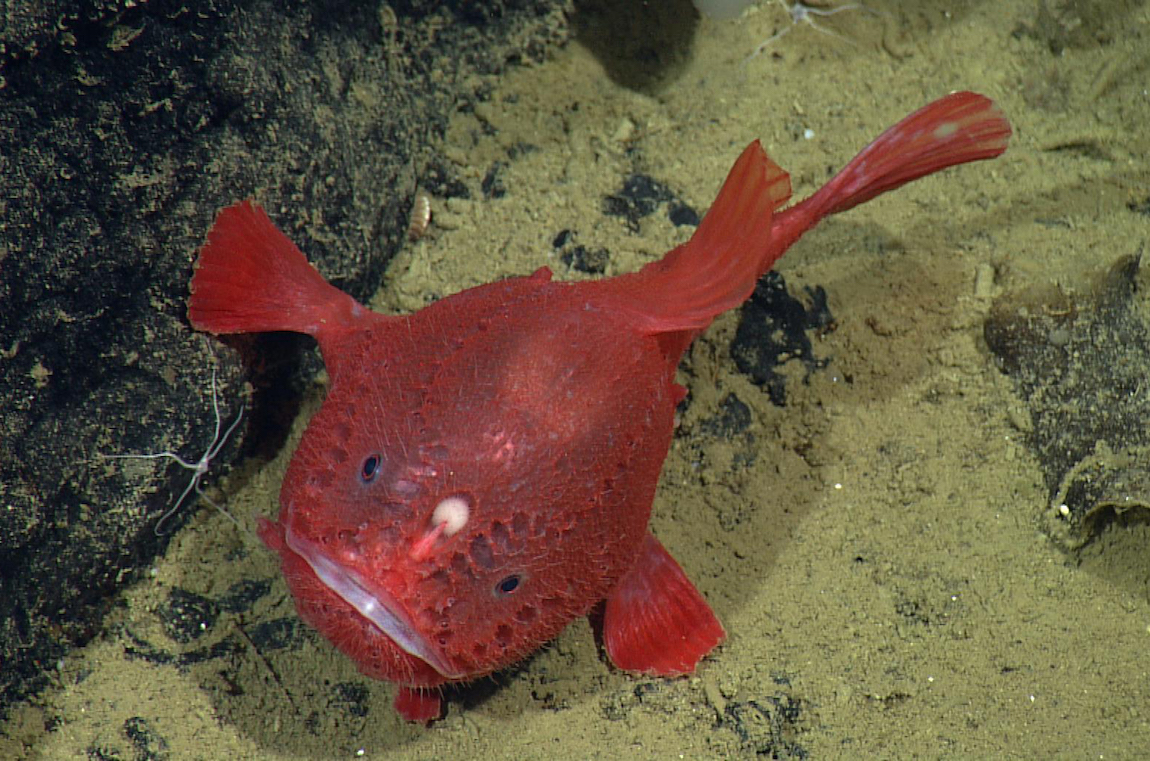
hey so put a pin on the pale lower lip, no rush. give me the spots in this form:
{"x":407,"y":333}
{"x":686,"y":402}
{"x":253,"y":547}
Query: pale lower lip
{"x":383,"y":611}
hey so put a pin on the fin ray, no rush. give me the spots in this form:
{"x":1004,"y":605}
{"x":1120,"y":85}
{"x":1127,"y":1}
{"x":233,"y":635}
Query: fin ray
{"x":250,"y":278}
{"x":717,"y":268}
{"x":656,"y":621}
{"x":955,"y":129}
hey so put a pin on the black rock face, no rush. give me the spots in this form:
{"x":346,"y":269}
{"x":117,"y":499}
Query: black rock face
{"x":1080,"y":363}
{"x":123,"y":131}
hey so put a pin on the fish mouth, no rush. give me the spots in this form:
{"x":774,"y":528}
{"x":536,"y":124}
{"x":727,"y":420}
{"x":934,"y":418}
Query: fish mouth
{"x":375,"y":604}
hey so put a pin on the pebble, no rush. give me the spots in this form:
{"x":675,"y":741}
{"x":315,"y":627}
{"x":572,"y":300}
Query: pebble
{"x":984,"y":281}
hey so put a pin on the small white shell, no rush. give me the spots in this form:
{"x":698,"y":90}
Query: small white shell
{"x":420,"y":215}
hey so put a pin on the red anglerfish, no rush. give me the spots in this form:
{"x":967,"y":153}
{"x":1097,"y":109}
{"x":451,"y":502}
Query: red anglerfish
{"x":481,"y":472}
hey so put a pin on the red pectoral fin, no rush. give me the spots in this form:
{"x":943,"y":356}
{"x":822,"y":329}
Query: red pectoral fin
{"x":655,"y":621}
{"x":418,"y":705}
{"x":250,"y":278}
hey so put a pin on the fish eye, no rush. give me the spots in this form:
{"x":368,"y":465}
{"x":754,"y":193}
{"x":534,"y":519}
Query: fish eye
{"x":370,"y":468}
{"x":508,"y":585}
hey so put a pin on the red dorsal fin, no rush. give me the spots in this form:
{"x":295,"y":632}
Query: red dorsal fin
{"x":250,"y":278}
{"x":741,"y":237}
{"x":717,"y":268}
{"x":655,"y":621}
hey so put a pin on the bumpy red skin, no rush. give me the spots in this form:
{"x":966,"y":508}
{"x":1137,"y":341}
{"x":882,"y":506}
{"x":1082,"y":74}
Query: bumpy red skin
{"x":553,"y":426}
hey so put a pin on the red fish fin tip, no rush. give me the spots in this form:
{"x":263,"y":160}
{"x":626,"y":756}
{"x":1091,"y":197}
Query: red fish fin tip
{"x":656,"y":621}
{"x":418,"y":705}
{"x":956,"y":129}
{"x":251,"y":278}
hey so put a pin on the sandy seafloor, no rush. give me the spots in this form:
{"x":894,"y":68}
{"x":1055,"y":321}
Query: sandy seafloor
{"x":888,"y":565}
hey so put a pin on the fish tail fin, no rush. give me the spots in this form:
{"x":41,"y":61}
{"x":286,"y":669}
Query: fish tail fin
{"x":955,"y":129}
{"x":717,"y":268}
{"x":250,"y":278}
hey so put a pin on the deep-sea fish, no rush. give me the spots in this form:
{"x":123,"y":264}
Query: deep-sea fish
{"x":482,"y":471}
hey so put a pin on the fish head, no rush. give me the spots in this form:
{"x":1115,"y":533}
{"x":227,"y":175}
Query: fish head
{"x":452,"y":557}
{"x":465,"y":516}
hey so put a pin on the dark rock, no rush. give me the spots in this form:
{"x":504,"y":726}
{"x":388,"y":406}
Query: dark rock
{"x":767,"y":727}
{"x":187,"y":615}
{"x":1080,"y":363}
{"x":682,"y":215}
{"x":772,"y":330}
{"x":638,"y":198}
{"x":351,"y":697}
{"x":579,"y":257}
{"x":733,"y":419}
